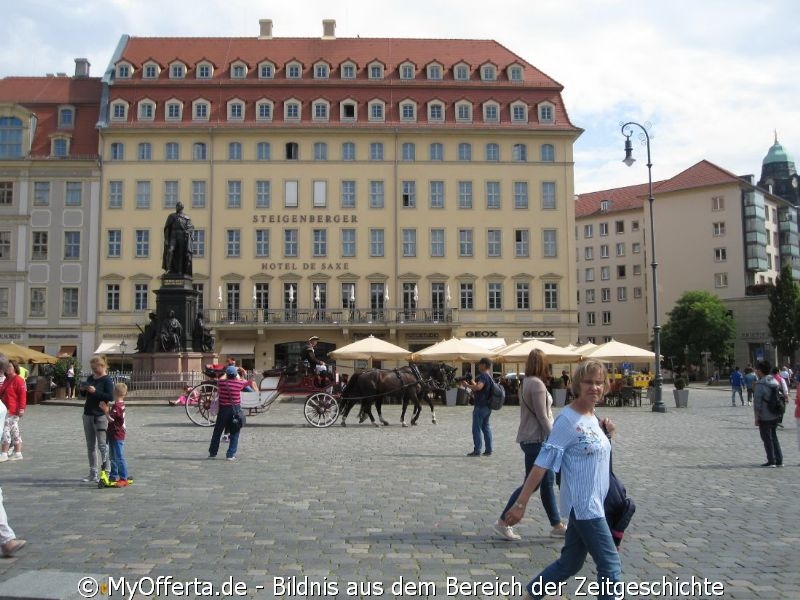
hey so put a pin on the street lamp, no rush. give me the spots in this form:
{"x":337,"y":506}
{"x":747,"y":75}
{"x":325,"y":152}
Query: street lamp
{"x":123,"y":345}
{"x":627,"y":130}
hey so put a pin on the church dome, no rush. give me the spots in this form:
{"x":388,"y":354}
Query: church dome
{"x":777,"y":154}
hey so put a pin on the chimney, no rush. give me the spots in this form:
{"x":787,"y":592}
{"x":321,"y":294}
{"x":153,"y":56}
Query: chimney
{"x":329,"y":29}
{"x":82,"y":67}
{"x":265,"y":29}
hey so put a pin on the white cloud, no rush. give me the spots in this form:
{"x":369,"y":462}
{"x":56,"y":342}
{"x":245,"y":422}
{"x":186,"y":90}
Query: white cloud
{"x":714,"y":79}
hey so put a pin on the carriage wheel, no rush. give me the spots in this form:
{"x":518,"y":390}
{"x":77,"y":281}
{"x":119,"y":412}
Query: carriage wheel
{"x":321,"y":410}
{"x":202,"y":404}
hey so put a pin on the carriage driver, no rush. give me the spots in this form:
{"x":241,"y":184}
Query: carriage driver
{"x":310,"y":357}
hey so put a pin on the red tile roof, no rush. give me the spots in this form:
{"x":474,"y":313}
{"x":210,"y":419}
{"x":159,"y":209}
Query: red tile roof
{"x":43,"y":95}
{"x":624,"y":198}
{"x":702,"y":174}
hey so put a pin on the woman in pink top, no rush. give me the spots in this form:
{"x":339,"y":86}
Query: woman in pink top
{"x":797,"y":414}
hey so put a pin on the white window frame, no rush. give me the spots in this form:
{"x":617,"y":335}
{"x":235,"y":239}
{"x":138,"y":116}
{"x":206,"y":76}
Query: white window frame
{"x":230,"y":105}
{"x":125,"y":106}
{"x":124,"y":70}
{"x":173,"y":74}
{"x":148,"y":65}
{"x":344,"y":103}
{"x":168,"y":104}
{"x":431,"y":105}
{"x":322,"y":70}
{"x":461,"y":65}
{"x":413,"y":105}
{"x":468,"y":106}
{"x":321,"y":103}
{"x":292,"y":102}
{"x":515,"y":68}
{"x":196,"y":104}
{"x":516,"y":105}
{"x":202,"y":65}
{"x":488,"y":72}
{"x":344,"y":66}
{"x":265,"y":102}
{"x":375,"y":103}
{"x":290,"y":66}
{"x":541,"y":111}
{"x":373,"y":64}
{"x":402,"y":71}
{"x":236,"y":65}
{"x":486,"y":117}
{"x":271,"y":67}
{"x":434,"y":71}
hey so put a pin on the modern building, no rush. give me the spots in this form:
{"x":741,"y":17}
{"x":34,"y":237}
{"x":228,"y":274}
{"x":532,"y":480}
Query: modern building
{"x":715,"y":231}
{"x":49,"y":211}
{"x":412,"y":189}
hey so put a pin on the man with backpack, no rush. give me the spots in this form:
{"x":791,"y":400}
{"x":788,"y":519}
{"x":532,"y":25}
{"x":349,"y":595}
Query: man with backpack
{"x":481,"y":392}
{"x":768,"y":407}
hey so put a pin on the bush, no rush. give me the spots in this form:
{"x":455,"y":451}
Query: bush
{"x":680,"y":383}
{"x":556,"y":383}
{"x":60,"y":370}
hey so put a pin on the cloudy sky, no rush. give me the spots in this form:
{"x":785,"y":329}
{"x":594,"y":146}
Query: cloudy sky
{"x":714,"y":77}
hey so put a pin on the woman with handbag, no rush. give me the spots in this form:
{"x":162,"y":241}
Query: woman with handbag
{"x":535,"y":424}
{"x":229,"y":390}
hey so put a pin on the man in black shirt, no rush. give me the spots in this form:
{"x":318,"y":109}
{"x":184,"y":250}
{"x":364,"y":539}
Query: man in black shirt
{"x":309,"y":356}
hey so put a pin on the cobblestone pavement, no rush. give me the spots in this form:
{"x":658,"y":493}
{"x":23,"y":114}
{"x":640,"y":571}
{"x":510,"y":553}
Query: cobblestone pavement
{"x":363,"y":504}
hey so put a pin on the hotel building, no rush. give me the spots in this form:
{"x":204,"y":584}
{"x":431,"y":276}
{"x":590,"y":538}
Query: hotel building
{"x":49,"y":211}
{"x":411,"y":189}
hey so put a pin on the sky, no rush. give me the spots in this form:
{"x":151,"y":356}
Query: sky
{"x":713,"y":78}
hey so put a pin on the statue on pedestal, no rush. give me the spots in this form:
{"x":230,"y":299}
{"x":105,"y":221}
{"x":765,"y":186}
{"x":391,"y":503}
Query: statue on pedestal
{"x":202,"y":339}
{"x":146,"y":341}
{"x":171,"y":334}
{"x":178,"y":242}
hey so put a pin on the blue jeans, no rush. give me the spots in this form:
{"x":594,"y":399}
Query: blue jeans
{"x":480,"y":424}
{"x":737,"y":390}
{"x":589,"y":536}
{"x":119,"y":468}
{"x":546,"y":489}
{"x":224,"y":417}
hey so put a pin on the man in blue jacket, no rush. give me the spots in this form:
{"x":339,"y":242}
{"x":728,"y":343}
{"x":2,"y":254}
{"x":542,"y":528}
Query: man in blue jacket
{"x":737,"y":385}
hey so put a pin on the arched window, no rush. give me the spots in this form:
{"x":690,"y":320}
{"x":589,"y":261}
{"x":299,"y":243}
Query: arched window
{"x":235,"y":151}
{"x":10,"y":137}
{"x":292,"y":151}
{"x":263,"y":151}
{"x":464,"y":151}
{"x":348,"y":151}
{"x":145,"y":151}
{"x":492,"y":152}
{"x":199,"y":151}
{"x":519,"y":153}
{"x":409,"y":151}
{"x":320,"y":151}
{"x":548,"y":153}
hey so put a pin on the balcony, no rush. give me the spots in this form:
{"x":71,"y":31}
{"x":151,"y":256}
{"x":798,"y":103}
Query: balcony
{"x":330,"y":316}
{"x":758,"y":289}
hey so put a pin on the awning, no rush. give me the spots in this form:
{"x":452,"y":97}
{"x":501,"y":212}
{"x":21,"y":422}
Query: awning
{"x":109,"y":347}
{"x":37,"y":348}
{"x":238,"y":348}
{"x":66,"y":351}
{"x":488,"y":343}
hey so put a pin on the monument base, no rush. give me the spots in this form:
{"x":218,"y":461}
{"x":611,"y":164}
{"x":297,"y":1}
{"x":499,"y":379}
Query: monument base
{"x":166,"y":365}
{"x":177,"y":296}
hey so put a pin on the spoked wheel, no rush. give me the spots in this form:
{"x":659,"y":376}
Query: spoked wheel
{"x":202,"y":404}
{"x":321,"y":409}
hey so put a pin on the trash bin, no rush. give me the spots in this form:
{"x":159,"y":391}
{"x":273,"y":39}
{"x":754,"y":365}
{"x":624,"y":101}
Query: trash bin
{"x":451,"y":396}
{"x":462,"y":397}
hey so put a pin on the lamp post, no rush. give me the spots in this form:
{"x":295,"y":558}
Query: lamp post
{"x":627,"y":130}
{"x":123,"y":345}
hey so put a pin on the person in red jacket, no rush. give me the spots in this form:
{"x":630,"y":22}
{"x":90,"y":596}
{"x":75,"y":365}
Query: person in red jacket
{"x":797,"y":414}
{"x":118,"y":477}
{"x":15,"y":396}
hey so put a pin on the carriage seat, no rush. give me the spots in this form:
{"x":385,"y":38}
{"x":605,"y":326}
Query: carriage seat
{"x":250,"y":400}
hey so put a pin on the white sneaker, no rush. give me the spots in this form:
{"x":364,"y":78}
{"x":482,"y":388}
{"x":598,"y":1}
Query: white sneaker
{"x":90,"y":479}
{"x":3,"y":456}
{"x":15,"y":456}
{"x":559,"y":530}
{"x":506,"y":532}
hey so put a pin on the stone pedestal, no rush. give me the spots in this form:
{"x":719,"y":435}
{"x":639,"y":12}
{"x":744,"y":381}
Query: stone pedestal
{"x":166,"y":364}
{"x":178,"y":296}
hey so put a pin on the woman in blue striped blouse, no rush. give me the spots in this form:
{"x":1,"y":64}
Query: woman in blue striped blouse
{"x":580,"y":449}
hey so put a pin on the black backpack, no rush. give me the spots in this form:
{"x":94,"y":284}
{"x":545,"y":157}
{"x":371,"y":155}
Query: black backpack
{"x":776,"y":403}
{"x":497,"y":396}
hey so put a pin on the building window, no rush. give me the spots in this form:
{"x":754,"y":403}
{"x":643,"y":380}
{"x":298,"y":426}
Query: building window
{"x":198,"y":194}
{"x":292,"y":111}
{"x":10,"y":137}
{"x":204,"y":71}
{"x":718,"y":228}
{"x":548,"y":195}
{"x":348,"y":292}
{"x":266,"y":71}
{"x":114,"y":245}
{"x":408,"y":111}
{"x":319,"y":242}
{"x":347,"y":111}
{"x":263,"y":151}
{"x":234,"y":194}
{"x":465,"y":243}
{"x":465,"y":194}
{"x":290,"y":242}
{"x":588,"y":253}
{"x":519,"y":113}
{"x":546,"y":113}
{"x":619,"y":227}
{"x":549,"y":243}
{"x":233,"y":299}
{"x":606,"y":317}
{"x":407,"y":71}
{"x":320,"y":197}
{"x":235,"y":151}
{"x":117,"y":151}
{"x":292,"y":151}
{"x":290,"y":194}
{"x":376,"y":71}
{"x":201,"y":110}
{"x":5,"y":245}
{"x":622,"y":294}
{"x":60,"y":147}
{"x":320,"y":151}
{"x":348,"y":243}
{"x":495,"y":296}
{"x":437,"y":243}
{"x":199,"y":151}
{"x":38,"y":305}
{"x":74,"y":193}
{"x":41,"y":193}
{"x":720,"y":254}
{"x":141,"y":292}
{"x":492,"y":194}
{"x":147,"y":111}
{"x":199,"y":243}
{"x":464,"y":113}
{"x":348,"y":151}
{"x":491,"y":113}
{"x":409,"y":242}
{"x":410,"y":299}
{"x":39,"y":245}
{"x":348,"y":195}
{"x":115,"y":194}
{"x":637,"y":270}
{"x":637,"y":292}
{"x":376,"y":111}
{"x":264,"y":111}
{"x":172,"y":151}
{"x":720,"y":280}
{"x":69,"y":303}
{"x":590,"y":296}
{"x":112,"y":296}
{"x":621,"y":249}
{"x":521,"y":195}
{"x":605,"y":273}
{"x":143,"y":194}
{"x":174,"y":111}
{"x":521,"y":243}
{"x":150,"y":71}
{"x":717,"y":203}
{"x":293,"y":71}
{"x":588,"y":231}
{"x":145,"y":151}
{"x":348,"y":71}
{"x":434,"y":72}
{"x":321,"y":111}
{"x":435,"y":112}
{"x":436,"y":189}
{"x":636,"y":248}
{"x":465,"y":152}
{"x":488,"y":73}
{"x":494,"y":243}
{"x":263,"y":194}
{"x":233,"y":243}
{"x":515,"y":74}
{"x":603,"y":229}
{"x":591,"y":319}
{"x":634,"y":225}
{"x":621,"y":271}
{"x":551,"y":296}
{"x":588,"y":275}
{"x":376,"y":194}
{"x":376,"y":151}
{"x":492,"y":152}
{"x":142,"y":243}
{"x":461,"y":73}
{"x":66,"y":118}
{"x":170,"y":194}
{"x":408,"y":151}
{"x":436,"y":151}
{"x":376,"y":241}
{"x":548,"y":153}
{"x":466,"y":296}
{"x":119,"y":111}
{"x":409,"y":194}
{"x":261,"y":295}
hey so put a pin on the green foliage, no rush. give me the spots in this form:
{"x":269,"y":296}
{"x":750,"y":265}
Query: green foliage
{"x":680,"y":383}
{"x":556,"y":383}
{"x":59,"y":372}
{"x":699,"y":321}
{"x":784,"y":313}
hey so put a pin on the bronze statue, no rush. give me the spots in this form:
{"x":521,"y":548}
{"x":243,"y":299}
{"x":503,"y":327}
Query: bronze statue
{"x":171,"y":334}
{"x":202,"y":339}
{"x":178,"y":241}
{"x":146,"y":341}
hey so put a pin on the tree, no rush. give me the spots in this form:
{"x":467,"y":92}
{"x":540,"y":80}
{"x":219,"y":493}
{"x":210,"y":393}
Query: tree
{"x":700,"y":322}
{"x":784,"y":313}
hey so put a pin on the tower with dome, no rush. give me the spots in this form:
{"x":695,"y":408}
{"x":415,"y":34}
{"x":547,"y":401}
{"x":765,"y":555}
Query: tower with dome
{"x":778,"y":172}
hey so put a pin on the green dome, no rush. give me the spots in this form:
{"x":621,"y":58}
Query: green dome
{"x":777,"y":154}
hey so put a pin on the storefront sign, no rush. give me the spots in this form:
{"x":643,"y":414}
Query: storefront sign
{"x":53,"y":336}
{"x":306,"y":266}
{"x":539,"y":334}
{"x":10,"y":336}
{"x":481,"y":334}
{"x":422,"y":336}
{"x":301,"y":219}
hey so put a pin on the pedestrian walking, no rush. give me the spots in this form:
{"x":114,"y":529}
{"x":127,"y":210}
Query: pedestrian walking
{"x":118,"y":475}
{"x":229,"y":391}
{"x":766,"y":419}
{"x":481,"y":411}
{"x":783,"y":388}
{"x":737,"y":385}
{"x":70,"y":381}
{"x":97,"y":388}
{"x":580,"y":449}
{"x":749,"y":383}
{"x":797,"y":415}
{"x":14,"y":395}
{"x":535,"y":424}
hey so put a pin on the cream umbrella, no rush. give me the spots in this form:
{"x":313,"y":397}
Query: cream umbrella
{"x":452,"y":350}
{"x":585,"y":349}
{"x":370,"y":348}
{"x":520,"y":352}
{"x":614,"y":351}
{"x":26,"y":355}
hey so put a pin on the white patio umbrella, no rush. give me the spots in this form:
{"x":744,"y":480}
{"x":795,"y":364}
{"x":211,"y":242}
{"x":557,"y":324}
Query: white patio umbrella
{"x":519,"y":353}
{"x":416,"y":293}
{"x":614,"y":351}
{"x":370,"y":348}
{"x":585,"y":348}
{"x":452,"y":350}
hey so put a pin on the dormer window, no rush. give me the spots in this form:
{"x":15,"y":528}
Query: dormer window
{"x":59,"y":146}
{"x":348,"y":70}
{"x":151,"y":70}
{"x":435,"y":111}
{"x":377,"y":110}
{"x":177,"y":70}
{"x":322,"y":70}
{"x":294,"y":70}
{"x":266,"y":70}
{"x":348,"y":110}
{"x":291,"y":110}
{"x":434,"y":72}
{"x":238,"y":70}
{"x":205,"y":70}
{"x":546,"y":113}
{"x":461,"y":72}
{"x":235,"y":110}
{"x":174,"y":110}
{"x":463,"y":112}
{"x":515,"y":73}
{"x":66,"y":117}
{"x":201,"y":110}
{"x":491,"y":112}
{"x":147,"y":110}
{"x":407,"y":71}
{"x":264,"y":110}
{"x":488,"y":72}
{"x":124,"y":70}
{"x":119,"y":110}
{"x":321,"y":110}
{"x":408,"y":111}
{"x":375,"y":70}
{"x":519,"y":112}
{"x":605,"y":205}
